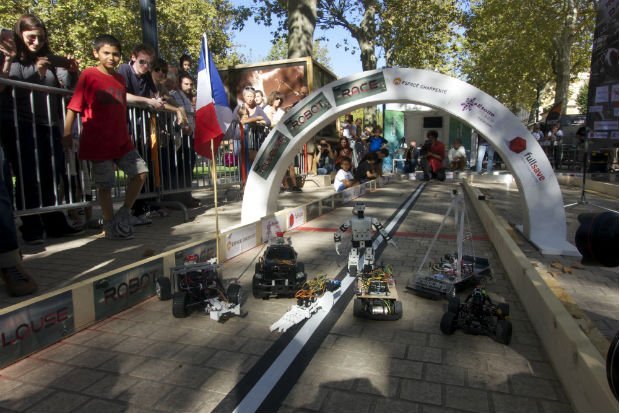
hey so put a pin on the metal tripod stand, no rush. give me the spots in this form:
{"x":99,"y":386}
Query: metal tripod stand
{"x":583,"y":193}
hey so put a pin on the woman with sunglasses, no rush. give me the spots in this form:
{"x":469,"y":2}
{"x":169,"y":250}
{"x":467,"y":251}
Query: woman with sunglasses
{"x":40,"y":166}
{"x":273,"y":109}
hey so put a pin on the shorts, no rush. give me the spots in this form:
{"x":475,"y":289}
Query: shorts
{"x":130,"y":163}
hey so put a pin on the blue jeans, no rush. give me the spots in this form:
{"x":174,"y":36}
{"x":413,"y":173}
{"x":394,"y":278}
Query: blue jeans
{"x":9,"y":255}
{"x":481,"y":151}
{"x":326,"y":170}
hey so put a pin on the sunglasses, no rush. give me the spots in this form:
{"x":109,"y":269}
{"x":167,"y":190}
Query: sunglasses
{"x":144,"y":62}
{"x":158,"y":69}
{"x":32,"y":37}
{"x":249,"y":88}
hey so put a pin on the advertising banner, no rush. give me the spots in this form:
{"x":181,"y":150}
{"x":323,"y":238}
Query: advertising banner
{"x":271,"y":226}
{"x":196,"y":254}
{"x":126,"y":289}
{"x":36,"y":326}
{"x":240,"y":240}
{"x":273,"y":151}
{"x":307,"y":114}
{"x":603,"y":116}
{"x":296,"y":217}
{"x":359,"y":89}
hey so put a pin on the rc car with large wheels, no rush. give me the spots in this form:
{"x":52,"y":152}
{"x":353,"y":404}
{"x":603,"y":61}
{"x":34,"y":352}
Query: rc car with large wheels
{"x":478,"y":315}
{"x":200,"y":286}
{"x":278,"y":273}
{"x":376,"y":295}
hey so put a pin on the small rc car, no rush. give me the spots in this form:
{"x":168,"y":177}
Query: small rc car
{"x":478,"y":315}
{"x":200,"y":286}
{"x":376,"y":295}
{"x":278,"y":273}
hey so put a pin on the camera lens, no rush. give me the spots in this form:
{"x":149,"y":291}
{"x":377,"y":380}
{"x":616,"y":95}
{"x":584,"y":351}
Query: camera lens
{"x":597,"y":239}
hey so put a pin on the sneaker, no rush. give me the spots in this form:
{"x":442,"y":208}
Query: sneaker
{"x":127,"y":220}
{"x":296,"y":189}
{"x":116,"y":230}
{"x":18,"y":282}
{"x":140,"y":220}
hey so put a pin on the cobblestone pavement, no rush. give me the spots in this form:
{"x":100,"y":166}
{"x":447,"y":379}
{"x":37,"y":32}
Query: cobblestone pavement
{"x":594,"y":289}
{"x":144,"y":360}
{"x":64,"y":261}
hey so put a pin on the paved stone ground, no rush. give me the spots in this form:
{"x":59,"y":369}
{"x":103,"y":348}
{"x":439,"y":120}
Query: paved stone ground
{"x":594,"y":289}
{"x":62,"y":262}
{"x":144,"y":360}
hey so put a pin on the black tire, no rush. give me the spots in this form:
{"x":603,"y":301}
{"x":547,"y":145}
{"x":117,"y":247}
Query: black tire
{"x":504,"y":331}
{"x":163,"y":288}
{"x":453,"y":306}
{"x":358,"y":309}
{"x":449,"y":322}
{"x":255,"y":289}
{"x":258,"y":268}
{"x":503,"y":310}
{"x":180,"y":304}
{"x":612,"y":366}
{"x":234,"y":293}
{"x":301,"y":267}
{"x":398,"y":310}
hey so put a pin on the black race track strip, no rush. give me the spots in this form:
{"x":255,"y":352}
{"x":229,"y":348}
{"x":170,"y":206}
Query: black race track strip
{"x":280,"y":390}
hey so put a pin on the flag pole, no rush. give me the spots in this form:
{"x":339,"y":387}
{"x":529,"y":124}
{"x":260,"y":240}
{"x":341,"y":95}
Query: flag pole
{"x":214,"y":178}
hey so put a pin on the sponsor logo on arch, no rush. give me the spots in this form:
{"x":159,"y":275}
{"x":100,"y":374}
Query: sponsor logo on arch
{"x":307,"y":114}
{"x":519,"y":145}
{"x":482,"y":112}
{"x":271,"y":155}
{"x":398,"y":81}
{"x":359,"y":89}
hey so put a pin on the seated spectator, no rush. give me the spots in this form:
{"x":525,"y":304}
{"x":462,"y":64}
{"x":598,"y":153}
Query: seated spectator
{"x":365,"y":171}
{"x":411,"y":158}
{"x":457,"y":156}
{"x":344,"y":150}
{"x":434,"y":156}
{"x":324,"y":158}
{"x":344,"y":178}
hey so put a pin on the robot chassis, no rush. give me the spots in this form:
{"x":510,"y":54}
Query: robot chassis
{"x":199,"y":285}
{"x":453,"y":272}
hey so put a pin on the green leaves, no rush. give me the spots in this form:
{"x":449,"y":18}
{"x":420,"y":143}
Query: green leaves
{"x":73,"y":24}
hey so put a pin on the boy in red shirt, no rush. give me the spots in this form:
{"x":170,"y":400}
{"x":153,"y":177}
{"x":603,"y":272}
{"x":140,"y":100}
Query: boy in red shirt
{"x":101,"y":98}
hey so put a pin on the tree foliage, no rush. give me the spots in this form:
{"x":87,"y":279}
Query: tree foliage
{"x":279,"y":51}
{"x":421,"y":34}
{"x":73,"y":24}
{"x":513,"y":49}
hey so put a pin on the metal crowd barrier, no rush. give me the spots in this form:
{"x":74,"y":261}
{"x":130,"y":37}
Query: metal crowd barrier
{"x":47,"y":178}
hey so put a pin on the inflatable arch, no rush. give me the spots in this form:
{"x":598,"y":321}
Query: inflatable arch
{"x":544,"y":217}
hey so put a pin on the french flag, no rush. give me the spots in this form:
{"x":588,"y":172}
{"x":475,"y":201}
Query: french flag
{"x":213,"y":116}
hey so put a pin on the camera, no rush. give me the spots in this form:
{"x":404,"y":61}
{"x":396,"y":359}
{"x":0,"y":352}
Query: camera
{"x":597,"y":239}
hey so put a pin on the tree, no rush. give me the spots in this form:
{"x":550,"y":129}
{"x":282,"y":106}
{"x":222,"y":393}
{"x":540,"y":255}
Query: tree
{"x":301,"y":25}
{"x":420,"y":34}
{"x":515,"y":50}
{"x":358,"y":17}
{"x":73,"y":24}
{"x":280,"y":48}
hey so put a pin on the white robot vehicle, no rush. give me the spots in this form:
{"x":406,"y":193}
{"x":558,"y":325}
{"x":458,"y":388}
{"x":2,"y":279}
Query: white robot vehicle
{"x":361,"y":227}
